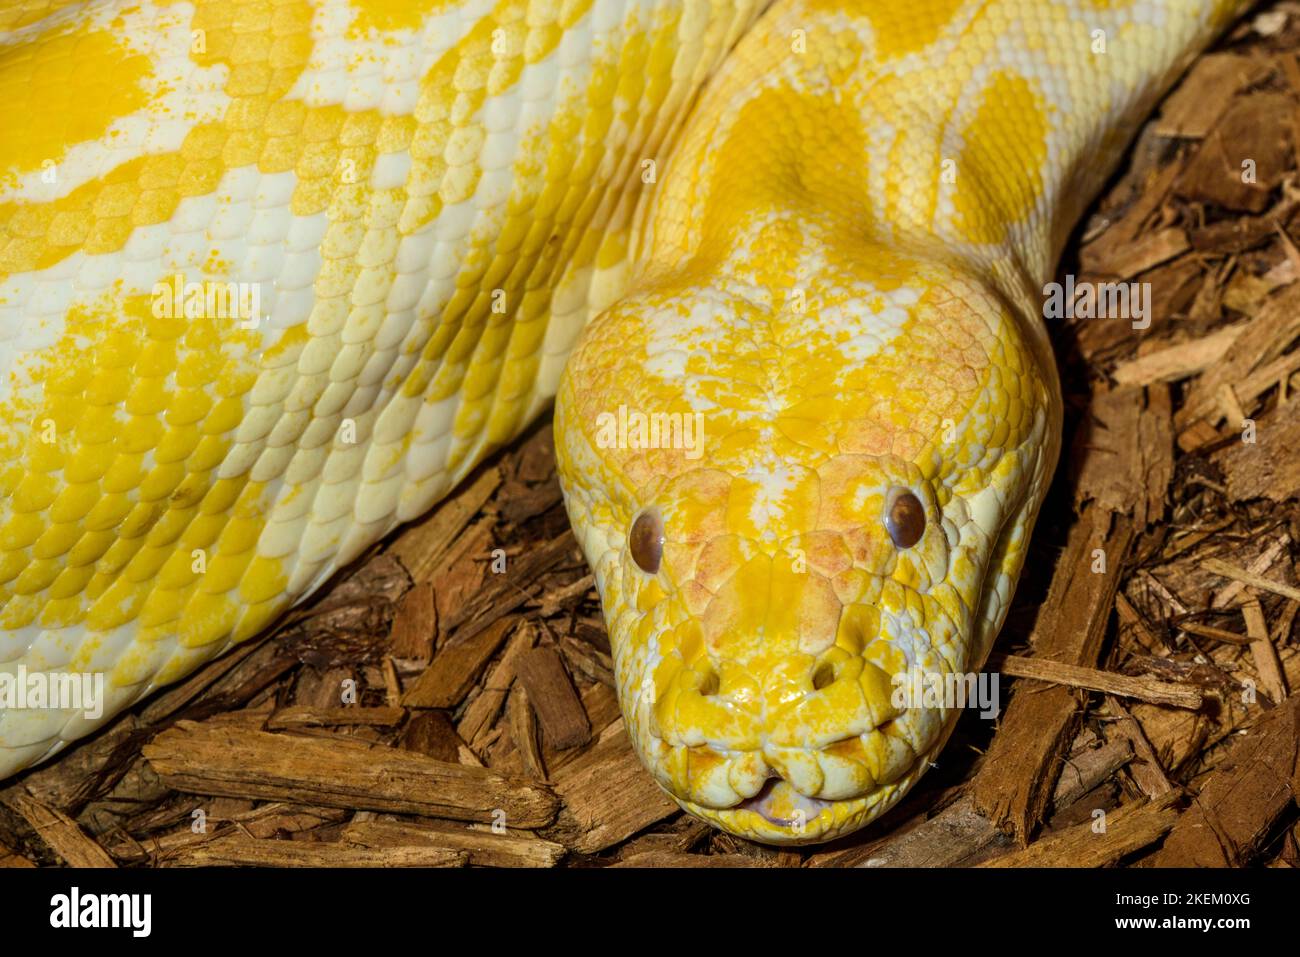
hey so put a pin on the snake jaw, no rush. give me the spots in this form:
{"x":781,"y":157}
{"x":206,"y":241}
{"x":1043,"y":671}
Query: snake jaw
{"x":780,"y":815}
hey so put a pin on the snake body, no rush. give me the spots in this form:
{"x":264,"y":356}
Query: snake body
{"x":820,"y":230}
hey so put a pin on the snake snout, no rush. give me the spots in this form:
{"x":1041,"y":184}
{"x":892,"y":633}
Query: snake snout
{"x":820,"y":725}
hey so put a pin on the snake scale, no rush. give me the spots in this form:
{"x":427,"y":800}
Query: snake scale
{"x":275,"y":275}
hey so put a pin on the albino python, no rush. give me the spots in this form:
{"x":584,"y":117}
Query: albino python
{"x":276,"y":274}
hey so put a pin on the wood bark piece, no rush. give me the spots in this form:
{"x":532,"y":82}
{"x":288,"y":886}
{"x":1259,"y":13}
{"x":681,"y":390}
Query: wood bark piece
{"x":1247,"y":133}
{"x":1226,"y":596}
{"x":9,"y":859}
{"x":1245,"y":577}
{"x":557,"y":598}
{"x":1246,"y":795}
{"x":340,"y":772}
{"x":1133,"y":624}
{"x":1146,"y":770}
{"x":432,"y":733}
{"x":607,"y":798}
{"x":415,"y":624}
{"x":484,"y":847}
{"x":1269,"y":467}
{"x":1218,"y":634}
{"x":1015,"y":782}
{"x":507,"y":591}
{"x":1276,"y":324}
{"x":424,"y":544}
{"x":1176,"y":362}
{"x":558,"y":707}
{"x":477,"y":720}
{"x":1206,"y":92}
{"x":239,"y":850}
{"x":455,"y":668}
{"x":1179,"y":736}
{"x":1127,"y":448}
{"x":306,"y":716}
{"x":60,"y":833}
{"x":523,"y":731}
{"x":1143,"y":253}
{"x":1145,"y":689}
{"x":590,"y":661}
{"x":1271,"y":677}
{"x":263,"y":821}
{"x":1127,"y":829}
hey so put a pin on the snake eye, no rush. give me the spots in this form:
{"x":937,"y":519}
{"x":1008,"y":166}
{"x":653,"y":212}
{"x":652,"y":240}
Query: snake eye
{"x":904,"y":518}
{"x":646,"y":541}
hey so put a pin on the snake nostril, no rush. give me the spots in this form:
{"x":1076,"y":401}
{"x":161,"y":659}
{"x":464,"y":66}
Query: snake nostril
{"x":708,"y":683}
{"x":823,"y":676}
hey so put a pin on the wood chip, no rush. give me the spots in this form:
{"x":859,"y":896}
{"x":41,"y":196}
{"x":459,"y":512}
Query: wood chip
{"x":1145,"y":689}
{"x":558,"y":707}
{"x":1217,"y":634}
{"x":415,"y":625}
{"x":607,"y":798}
{"x":60,"y":833}
{"x":1239,"y":574}
{"x":1130,"y":828}
{"x":483,"y":846}
{"x":557,"y":598}
{"x":1194,"y":108}
{"x":451,"y":675}
{"x":1242,"y":161}
{"x":1271,"y":677}
{"x":1014,"y":784}
{"x":1146,"y":770}
{"x":423,"y":545}
{"x":1265,"y":336}
{"x":523,"y":731}
{"x":1269,"y":467}
{"x":509,"y":590}
{"x":1177,"y":362}
{"x":483,"y":710}
{"x":340,"y":772}
{"x":239,"y":850}
{"x":432,"y":733}
{"x":1127,"y":445}
{"x":1246,"y":795}
{"x":10,"y":859}
{"x":1225,"y":597}
{"x":305,"y":716}
{"x":1143,"y":253}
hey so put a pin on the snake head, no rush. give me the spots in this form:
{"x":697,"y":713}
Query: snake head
{"x":786,"y":518}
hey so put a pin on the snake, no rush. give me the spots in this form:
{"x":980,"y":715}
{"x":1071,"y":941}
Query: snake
{"x":277,"y":275}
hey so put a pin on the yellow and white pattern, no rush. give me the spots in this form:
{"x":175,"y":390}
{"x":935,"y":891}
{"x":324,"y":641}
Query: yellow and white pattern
{"x":276,"y":274}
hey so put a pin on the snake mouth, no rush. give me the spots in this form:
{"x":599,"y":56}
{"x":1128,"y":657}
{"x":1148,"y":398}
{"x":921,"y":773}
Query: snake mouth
{"x":779,"y":814}
{"x":778,"y":803}
{"x":779,"y":808}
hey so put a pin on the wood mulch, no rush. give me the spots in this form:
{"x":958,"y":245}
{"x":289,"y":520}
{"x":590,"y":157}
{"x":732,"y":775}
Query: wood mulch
{"x":433,"y":709}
